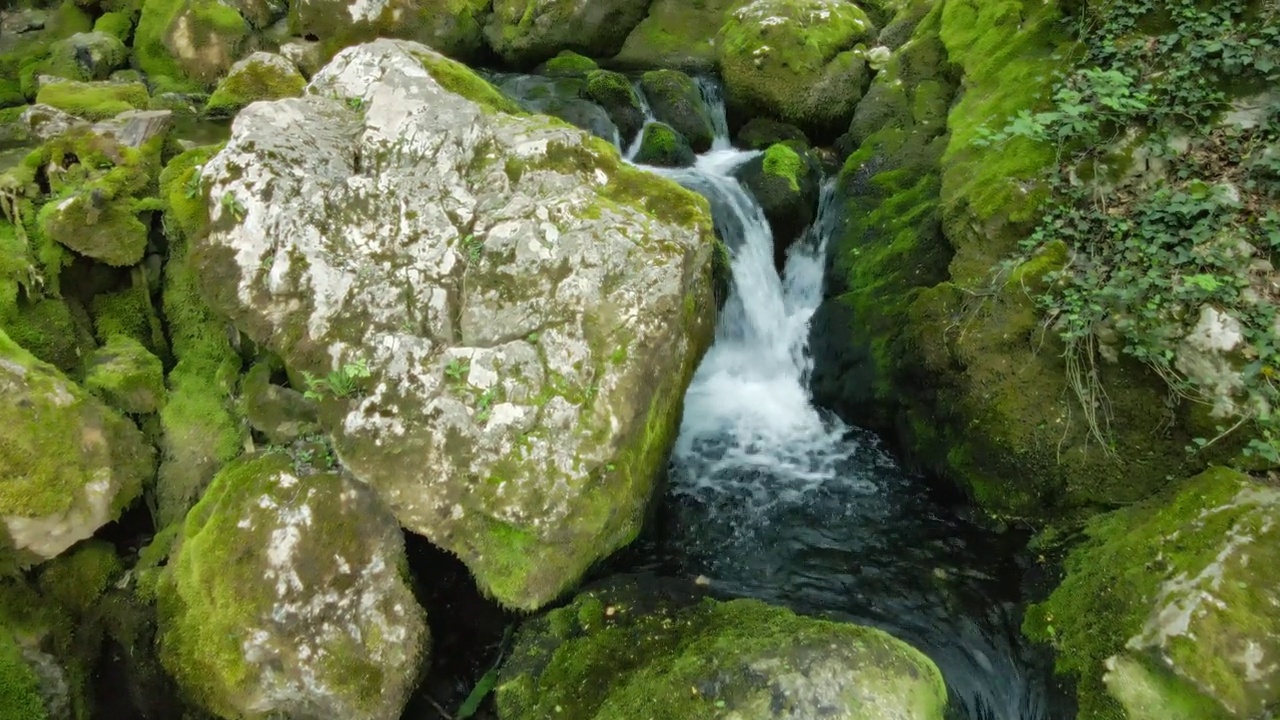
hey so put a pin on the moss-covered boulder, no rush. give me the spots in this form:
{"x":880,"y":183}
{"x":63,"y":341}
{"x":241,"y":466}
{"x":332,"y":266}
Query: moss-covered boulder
{"x":86,"y":56}
{"x":760,"y":133}
{"x":526,"y":33}
{"x":527,"y":366}
{"x":560,"y":96}
{"x":614,"y":92}
{"x":68,"y":464}
{"x":567,"y":63}
{"x":452,"y":27}
{"x":282,"y":414}
{"x":287,"y":594}
{"x":799,"y":61}
{"x":1168,"y":607}
{"x":126,"y":376}
{"x":661,"y":145}
{"x":93,"y":100}
{"x":786,"y":180}
{"x":636,"y":649}
{"x":676,"y":100}
{"x":183,"y":42}
{"x":41,"y":675}
{"x":676,"y":34}
{"x":55,"y":331}
{"x":260,"y":76}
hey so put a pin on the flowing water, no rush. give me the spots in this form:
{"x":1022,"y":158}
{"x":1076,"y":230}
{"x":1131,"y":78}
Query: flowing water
{"x":772,"y":498}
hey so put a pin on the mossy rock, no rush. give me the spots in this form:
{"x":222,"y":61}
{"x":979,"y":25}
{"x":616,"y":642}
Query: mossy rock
{"x":126,"y":376}
{"x":676,"y":100}
{"x":42,"y":674}
{"x":94,"y":100}
{"x":661,"y":145}
{"x":677,"y":35}
{"x":55,"y":331}
{"x":798,"y":61}
{"x":70,"y":465}
{"x":283,"y":415}
{"x":86,"y":56}
{"x":188,"y":43}
{"x":261,"y":76}
{"x":1168,"y":607}
{"x":647,"y":649}
{"x":130,"y":313}
{"x":568,"y":63}
{"x":453,"y":27}
{"x":118,"y":25}
{"x":786,"y":180}
{"x":614,"y":92}
{"x":288,"y":594}
{"x":75,"y":581}
{"x":526,"y":33}
{"x":760,"y":133}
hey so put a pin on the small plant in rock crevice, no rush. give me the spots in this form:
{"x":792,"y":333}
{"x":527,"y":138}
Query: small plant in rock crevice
{"x":341,"y":383}
{"x":1201,"y":228}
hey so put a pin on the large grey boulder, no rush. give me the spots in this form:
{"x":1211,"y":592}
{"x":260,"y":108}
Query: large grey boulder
{"x":499,"y":316}
{"x":287,"y":595}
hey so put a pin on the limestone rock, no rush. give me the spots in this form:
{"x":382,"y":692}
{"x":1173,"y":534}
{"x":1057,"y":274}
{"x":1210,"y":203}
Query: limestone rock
{"x":260,"y":76}
{"x":500,"y":315}
{"x":526,"y":33}
{"x":306,"y":55}
{"x":452,"y":27}
{"x":68,"y":464}
{"x":1172,"y":602}
{"x":287,"y":595}
{"x":45,"y":121}
{"x":799,"y":61}
{"x":133,"y":128}
{"x":676,"y":100}
{"x":634,"y":649}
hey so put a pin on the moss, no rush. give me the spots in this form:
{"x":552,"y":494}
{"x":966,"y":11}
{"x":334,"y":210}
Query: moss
{"x":783,"y":162}
{"x":87,"y":57}
{"x":676,"y":100}
{"x":75,"y":581}
{"x":256,"y":78}
{"x":676,"y":34}
{"x":661,"y":145}
{"x":55,"y":331}
{"x":126,"y":376}
{"x":20,"y":697}
{"x":129,"y":313}
{"x":569,"y":62}
{"x":116,"y":24}
{"x":1114,"y":584}
{"x":663,"y":655}
{"x":613,"y":92}
{"x":190,"y":42}
{"x":460,"y":80}
{"x":94,"y":101}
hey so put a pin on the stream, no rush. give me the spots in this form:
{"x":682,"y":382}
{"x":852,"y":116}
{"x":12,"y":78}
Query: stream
{"x":773,"y":498}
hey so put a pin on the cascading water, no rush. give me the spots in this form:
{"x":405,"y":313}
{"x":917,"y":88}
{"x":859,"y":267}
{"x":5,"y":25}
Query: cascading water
{"x":774,"y":499}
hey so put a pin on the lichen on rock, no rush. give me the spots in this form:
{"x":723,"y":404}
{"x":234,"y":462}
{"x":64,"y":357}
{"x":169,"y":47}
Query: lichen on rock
{"x":288,"y":594}
{"x":529,"y":309}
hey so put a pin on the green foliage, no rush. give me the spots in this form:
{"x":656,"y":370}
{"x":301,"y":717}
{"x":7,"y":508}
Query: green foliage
{"x":341,"y":383}
{"x":1148,"y":250}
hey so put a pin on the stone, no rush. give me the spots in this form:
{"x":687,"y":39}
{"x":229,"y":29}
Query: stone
{"x":798,"y":61}
{"x":452,"y":27}
{"x":677,"y":35}
{"x":504,"y":357}
{"x":676,"y":100}
{"x":786,"y":180}
{"x":189,"y":41}
{"x":87,"y":56}
{"x":614,"y":92}
{"x":661,"y":145}
{"x":283,"y":415}
{"x":287,"y":595}
{"x":126,"y":376}
{"x":68,"y":463}
{"x":99,"y":100}
{"x":306,"y":55}
{"x":260,"y":76}
{"x":526,"y":33}
{"x":134,"y":128}
{"x":560,"y":97}
{"x":45,"y":121}
{"x":635,"y":648}
{"x":1172,"y":604}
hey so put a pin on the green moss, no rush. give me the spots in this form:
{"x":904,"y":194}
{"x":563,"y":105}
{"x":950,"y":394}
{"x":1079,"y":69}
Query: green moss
{"x":614,"y":653}
{"x":75,"y":581}
{"x":20,"y":697}
{"x":116,"y":24}
{"x":126,"y":376}
{"x":129,"y":313}
{"x":783,"y":162}
{"x":460,"y":80}
{"x":190,"y":42}
{"x":1114,"y":582}
{"x":569,"y":62}
{"x":662,"y":145}
{"x":94,"y":101}
{"x":55,"y":331}
{"x":676,"y":34}
{"x":252,"y":81}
